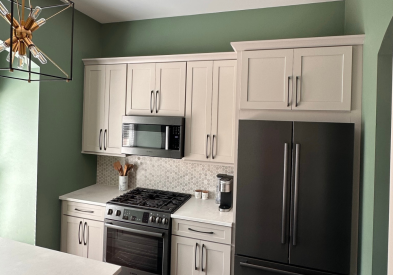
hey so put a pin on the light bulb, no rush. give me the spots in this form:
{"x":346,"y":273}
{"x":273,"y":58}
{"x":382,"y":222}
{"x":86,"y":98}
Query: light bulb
{"x":41,"y":58}
{"x":3,"y":46}
{"x":3,"y":10}
{"x":41,"y":22}
{"x":34,"y":51}
{"x":22,"y":61}
{"x":36,"y":12}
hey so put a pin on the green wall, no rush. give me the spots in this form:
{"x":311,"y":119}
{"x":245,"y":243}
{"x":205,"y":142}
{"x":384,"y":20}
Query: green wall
{"x":214,"y":32}
{"x":61,"y":166}
{"x":18,"y":158}
{"x":373,"y":18}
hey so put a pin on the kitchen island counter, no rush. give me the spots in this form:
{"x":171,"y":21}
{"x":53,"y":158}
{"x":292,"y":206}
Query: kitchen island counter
{"x":23,"y":259}
{"x":205,"y":211}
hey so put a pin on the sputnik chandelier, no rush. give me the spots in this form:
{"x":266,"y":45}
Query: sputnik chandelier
{"x":21,"y":39}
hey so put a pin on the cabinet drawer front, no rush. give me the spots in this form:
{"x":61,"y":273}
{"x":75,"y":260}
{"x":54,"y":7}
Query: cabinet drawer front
{"x":202,"y":231}
{"x":83,"y":210}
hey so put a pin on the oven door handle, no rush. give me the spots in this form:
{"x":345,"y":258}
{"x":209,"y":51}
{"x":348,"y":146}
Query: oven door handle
{"x":152,"y":234}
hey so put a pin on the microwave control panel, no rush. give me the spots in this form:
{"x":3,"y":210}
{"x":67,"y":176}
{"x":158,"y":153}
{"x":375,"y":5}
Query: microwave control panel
{"x":175,"y":138}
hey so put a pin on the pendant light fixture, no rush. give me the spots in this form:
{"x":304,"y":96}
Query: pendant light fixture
{"x":20,"y":44}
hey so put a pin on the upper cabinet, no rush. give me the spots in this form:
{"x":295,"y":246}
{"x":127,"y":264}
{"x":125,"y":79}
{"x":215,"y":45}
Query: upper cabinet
{"x":156,"y":89}
{"x":210,"y":111}
{"x":297,"y":79}
{"x":104,"y":106}
{"x":323,"y":78}
{"x":266,"y":79}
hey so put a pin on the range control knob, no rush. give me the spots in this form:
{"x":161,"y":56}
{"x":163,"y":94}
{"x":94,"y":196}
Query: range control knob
{"x":164,"y":221}
{"x":118,"y":213}
{"x":158,"y":220}
{"x":110,"y":211}
{"x":152,"y":219}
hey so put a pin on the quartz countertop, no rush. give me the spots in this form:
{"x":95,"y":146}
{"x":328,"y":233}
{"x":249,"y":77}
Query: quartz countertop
{"x":206,"y":211}
{"x":95,"y":194}
{"x":23,"y":259}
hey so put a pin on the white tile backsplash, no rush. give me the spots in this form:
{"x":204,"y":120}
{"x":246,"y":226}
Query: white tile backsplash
{"x":162,"y":173}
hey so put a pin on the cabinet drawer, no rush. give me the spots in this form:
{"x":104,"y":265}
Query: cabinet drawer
{"x":202,"y":231}
{"x":84,"y":210}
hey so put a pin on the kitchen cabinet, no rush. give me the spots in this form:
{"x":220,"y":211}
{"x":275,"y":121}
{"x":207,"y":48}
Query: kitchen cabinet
{"x":191,"y":256}
{"x":104,"y":106}
{"x":93,"y":108}
{"x":156,"y":89}
{"x":297,"y":79}
{"x":210,"y":111}
{"x":266,"y":79}
{"x":80,"y":235}
{"x":83,"y":237}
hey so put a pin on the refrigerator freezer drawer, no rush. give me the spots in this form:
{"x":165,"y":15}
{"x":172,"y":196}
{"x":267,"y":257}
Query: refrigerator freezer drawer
{"x":250,"y":266}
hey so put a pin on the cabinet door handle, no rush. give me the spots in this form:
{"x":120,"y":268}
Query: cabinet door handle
{"x":214,"y":137}
{"x":105,"y":139}
{"x":284,"y":194}
{"x":207,"y":145}
{"x":151,"y":97}
{"x":289,"y":80}
{"x":79,"y":233}
{"x":86,"y":211}
{"x":84,"y":232}
{"x":200,"y":231}
{"x":157,"y":101}
{"x":297,"y":78}
{"x":99,"y":139}
{"x":296,"y":196}
{"x":203,"y":246}
{"x":196,"y":247}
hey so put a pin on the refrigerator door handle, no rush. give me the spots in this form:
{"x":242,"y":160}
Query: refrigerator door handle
{"x":284,"y":195}
{"x":268,"y":269}
{"x":296,"y":195}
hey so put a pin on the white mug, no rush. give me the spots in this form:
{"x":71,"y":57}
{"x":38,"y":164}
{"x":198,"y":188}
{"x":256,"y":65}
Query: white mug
{"x":123,"y":183}
{"x":198,"y":194}
{"x":205,"y":195}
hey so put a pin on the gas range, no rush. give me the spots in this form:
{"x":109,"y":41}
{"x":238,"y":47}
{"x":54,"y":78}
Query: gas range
{"x":146,"y":207}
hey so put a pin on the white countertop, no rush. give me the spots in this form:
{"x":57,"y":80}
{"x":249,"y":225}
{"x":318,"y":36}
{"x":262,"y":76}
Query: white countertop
{"x":24,"y":259}
{"x":94,"y":194}
{"x":193,"y":210}
{"x":206,"y":211}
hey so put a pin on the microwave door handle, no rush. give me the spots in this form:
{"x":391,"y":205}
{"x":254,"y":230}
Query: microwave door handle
{"x":152,"y":234}
{"x":167,"y":137}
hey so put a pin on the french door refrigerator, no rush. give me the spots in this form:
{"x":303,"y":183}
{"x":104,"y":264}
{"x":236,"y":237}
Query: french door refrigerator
{"x":294,"y":198}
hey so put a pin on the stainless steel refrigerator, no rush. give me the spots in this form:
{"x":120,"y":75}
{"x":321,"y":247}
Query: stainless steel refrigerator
{"x":294,"y":198}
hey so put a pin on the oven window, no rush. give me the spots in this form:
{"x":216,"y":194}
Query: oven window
{"x":144,"y":136}
{"x":135,"y":251}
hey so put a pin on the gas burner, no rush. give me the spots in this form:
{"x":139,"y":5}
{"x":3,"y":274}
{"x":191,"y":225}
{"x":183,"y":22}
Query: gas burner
{"x":158,"y":200}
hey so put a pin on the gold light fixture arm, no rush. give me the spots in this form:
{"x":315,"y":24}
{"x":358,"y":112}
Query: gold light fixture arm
{"x":23,"y":13}
{"x":57,"y":13}
{"x":5,"y":18}
{"x":57,"y":66}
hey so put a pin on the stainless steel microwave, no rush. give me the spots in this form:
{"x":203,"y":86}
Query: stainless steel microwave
{"x":153,"y":136}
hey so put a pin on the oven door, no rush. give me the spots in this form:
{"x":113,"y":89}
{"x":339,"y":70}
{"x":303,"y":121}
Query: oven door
{"x":140,"y":250}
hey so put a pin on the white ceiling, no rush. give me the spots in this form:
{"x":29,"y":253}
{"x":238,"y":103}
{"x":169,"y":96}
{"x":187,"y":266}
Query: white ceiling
{"x":108,"y":11}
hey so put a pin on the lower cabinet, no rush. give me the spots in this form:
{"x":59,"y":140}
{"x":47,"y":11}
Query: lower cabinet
{"x":82,"y":237}
{"x":193,"y":256}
